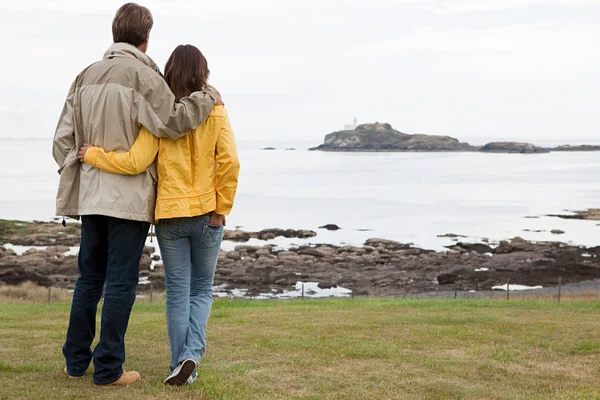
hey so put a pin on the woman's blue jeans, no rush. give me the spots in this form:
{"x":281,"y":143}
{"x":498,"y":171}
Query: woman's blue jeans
{"x":189,"y":248}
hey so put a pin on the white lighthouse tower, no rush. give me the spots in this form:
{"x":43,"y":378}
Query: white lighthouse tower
{"x":351,"y":127}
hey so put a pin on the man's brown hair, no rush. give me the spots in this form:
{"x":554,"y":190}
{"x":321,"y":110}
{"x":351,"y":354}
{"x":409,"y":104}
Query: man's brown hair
{"x":131,"y":24}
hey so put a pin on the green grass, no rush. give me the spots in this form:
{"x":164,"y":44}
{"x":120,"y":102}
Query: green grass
{"x":331,"y":349}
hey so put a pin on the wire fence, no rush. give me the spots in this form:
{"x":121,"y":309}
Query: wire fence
{"x":586,"y":291}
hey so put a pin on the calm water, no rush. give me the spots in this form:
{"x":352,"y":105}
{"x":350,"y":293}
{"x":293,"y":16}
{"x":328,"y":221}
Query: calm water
{"x":410,"y":197}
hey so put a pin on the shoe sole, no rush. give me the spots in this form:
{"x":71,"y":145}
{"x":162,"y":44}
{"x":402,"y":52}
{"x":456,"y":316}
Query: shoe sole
{"x":114,"y":384}
{"x":187,"y":369}
{"x":69,"y":376}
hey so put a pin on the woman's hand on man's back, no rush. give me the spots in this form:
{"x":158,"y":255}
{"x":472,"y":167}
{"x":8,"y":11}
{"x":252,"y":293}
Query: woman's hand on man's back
{"x":83,"y":150}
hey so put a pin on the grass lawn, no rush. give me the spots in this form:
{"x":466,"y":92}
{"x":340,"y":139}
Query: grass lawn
{"x":331,"y":349}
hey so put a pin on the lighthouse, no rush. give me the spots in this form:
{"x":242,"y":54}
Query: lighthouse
{"x":351,"y":127}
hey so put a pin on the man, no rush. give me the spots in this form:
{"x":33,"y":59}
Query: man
{"x":107,"y":104}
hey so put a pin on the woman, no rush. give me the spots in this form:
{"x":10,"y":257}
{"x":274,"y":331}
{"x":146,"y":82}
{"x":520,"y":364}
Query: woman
{"x":197,"y":181}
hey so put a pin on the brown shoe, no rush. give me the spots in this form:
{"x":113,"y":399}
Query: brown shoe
{"x":69,"y":376}
{"x":128,"y":378}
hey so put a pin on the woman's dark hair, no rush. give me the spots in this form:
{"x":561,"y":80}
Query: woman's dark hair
{"x":186,"y":71}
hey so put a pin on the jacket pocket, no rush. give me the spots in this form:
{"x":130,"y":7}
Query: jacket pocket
{"x":70,"y":160}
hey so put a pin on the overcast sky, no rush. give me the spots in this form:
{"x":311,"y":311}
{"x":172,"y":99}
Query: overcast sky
{"x":299,"y":69}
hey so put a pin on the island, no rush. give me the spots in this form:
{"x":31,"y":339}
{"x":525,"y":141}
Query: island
{"x":381,"y":137}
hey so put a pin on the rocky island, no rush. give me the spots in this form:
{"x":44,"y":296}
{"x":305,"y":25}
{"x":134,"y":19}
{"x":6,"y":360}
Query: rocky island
{"x":381,"y":137}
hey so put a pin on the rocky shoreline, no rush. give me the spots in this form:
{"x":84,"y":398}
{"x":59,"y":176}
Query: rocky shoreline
{"x":379,"y":268}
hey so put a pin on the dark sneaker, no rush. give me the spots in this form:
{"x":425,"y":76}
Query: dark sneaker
{"x":182,"y":373}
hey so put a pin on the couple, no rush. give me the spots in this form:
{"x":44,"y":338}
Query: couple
{"x":114,"y":192}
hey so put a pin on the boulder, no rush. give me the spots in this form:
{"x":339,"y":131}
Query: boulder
{"x":447,"y":278}
{"x":145,"y":262}
{"x":262,"y":252}
{"x":330,"y":227}
{"x":234,"y":255}
{"x":236,"y":236}
{"x":327,"y":285}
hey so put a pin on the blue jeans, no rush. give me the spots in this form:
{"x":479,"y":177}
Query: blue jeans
{"x":189,"y":248}
{"x":110,"y":253}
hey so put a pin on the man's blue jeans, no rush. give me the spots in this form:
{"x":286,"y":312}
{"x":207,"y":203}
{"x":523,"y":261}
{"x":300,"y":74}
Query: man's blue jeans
{"x":189,"y":248}
{"x":110,"y":253}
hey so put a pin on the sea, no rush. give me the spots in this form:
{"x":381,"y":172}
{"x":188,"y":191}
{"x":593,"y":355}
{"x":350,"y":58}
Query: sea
{"x":408,"y":197}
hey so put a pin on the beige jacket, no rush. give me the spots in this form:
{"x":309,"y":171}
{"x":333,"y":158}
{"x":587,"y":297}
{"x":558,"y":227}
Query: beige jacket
{"x":107,"y":105}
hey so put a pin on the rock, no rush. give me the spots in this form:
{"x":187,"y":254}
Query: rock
{"x":446,"y":279}
{"x":291,"y":261}
{"x":39,"y":233}
{"x":290,"y":149}
{"x":477,"y":247}
{"x":591,"y":214}
{"x":517,"y":244}
{"x":330,"y":227}
{"x":145,"y":262}
{"x":159,"y":267}
{"x":286,"y":254}
{"x":17,"y":274}
{"x":387,"y":244}
{"x":557,"y":232}
{"x":585,"y":147}
{"x":149,"y":250}
{"x":451,"y":235}
{"x":236,"y":236}
{"x":57,"y":249}
{"x":269,"y":148}
{"x":262,"y":252}
{"x":327,"y":285}
{"x":512,"y":147}
{"x":381,"y":137}
{"x":247,"y":249}
{"x":316,"y":252}
{"x":156,"y":258}
{"x":30,"y":251}
{"x":157,"y":279}
{"x":267,"y":234}
{"x":234,"y":255}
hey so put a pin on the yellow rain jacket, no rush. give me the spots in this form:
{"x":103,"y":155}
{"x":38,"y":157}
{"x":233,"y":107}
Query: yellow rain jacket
{"x":197,"y":174}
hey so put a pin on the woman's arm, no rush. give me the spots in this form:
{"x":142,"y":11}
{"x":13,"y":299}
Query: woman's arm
{"x":228,"y":168}
{"x":135,"y":161}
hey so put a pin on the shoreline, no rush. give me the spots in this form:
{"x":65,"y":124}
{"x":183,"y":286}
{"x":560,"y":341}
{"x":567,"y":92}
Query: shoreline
{"x":379,"y":268}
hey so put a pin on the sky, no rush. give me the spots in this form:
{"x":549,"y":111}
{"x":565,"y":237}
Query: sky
{"x":296,"y":70}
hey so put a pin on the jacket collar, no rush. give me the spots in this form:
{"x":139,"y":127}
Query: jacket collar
{"x":128,"y":50}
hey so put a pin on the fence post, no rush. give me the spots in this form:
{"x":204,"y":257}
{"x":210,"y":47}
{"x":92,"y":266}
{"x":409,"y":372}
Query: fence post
{"x":508,"y":289}
{"x":559,"y":287}
{"x":49,"y":294}
{"x":303,"y":291}
{"x":455,"y":290}
{"x":151,"y":290}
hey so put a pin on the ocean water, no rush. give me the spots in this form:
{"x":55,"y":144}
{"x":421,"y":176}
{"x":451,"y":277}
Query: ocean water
{"x":409,"y":197}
